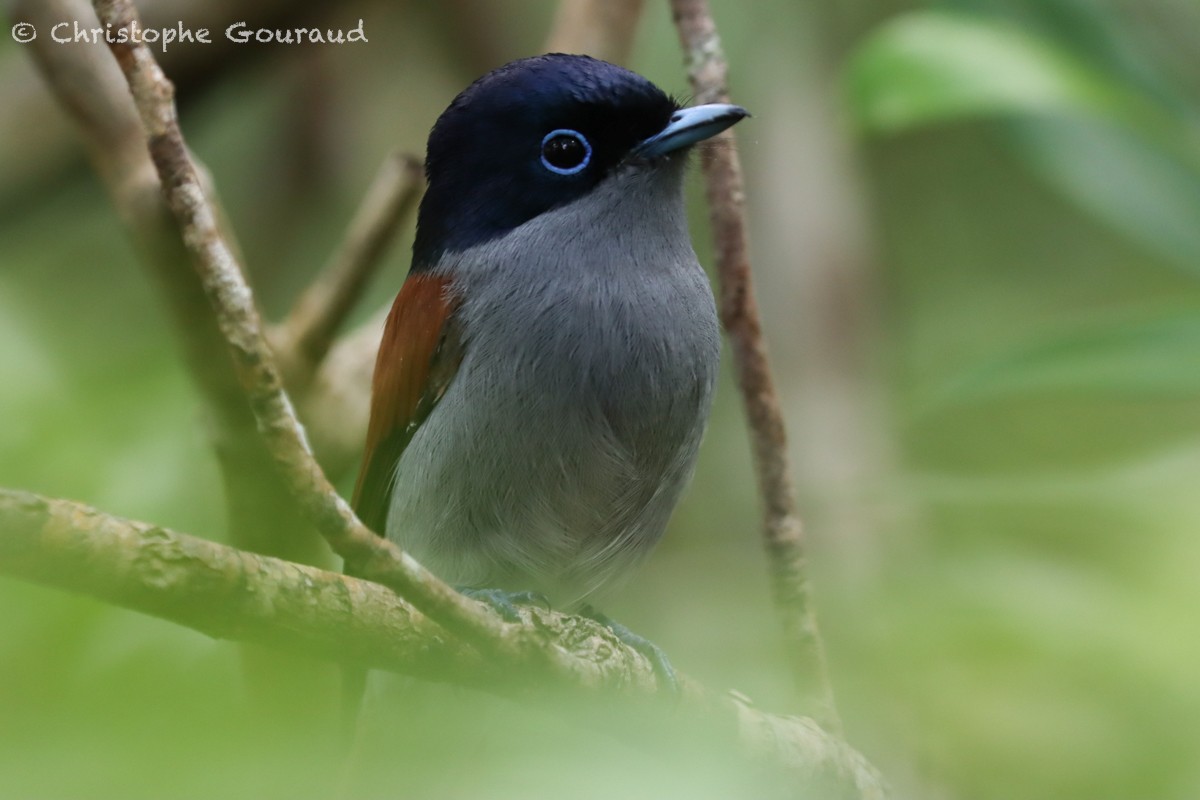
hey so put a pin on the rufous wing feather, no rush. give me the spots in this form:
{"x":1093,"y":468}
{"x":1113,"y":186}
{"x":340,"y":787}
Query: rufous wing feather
{"x":418,"y":357}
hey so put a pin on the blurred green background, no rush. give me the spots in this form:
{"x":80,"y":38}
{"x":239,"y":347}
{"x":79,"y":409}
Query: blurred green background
{"x":976,"y":232}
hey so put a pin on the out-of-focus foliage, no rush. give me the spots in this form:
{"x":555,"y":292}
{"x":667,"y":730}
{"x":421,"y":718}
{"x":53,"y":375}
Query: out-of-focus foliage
{"x":1051,"y":352}
{"x":931,"y":67}
{"x":1139,"y":358}
{"x":1016,"y":621}
{"x":1086,"y":126}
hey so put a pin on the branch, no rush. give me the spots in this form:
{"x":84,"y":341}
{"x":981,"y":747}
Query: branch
{"x":601,"y":28}
{"x":305,"y":337}
{"x":782,"y":528}
{"x":220,"y":591}
{"x":231,"y":594}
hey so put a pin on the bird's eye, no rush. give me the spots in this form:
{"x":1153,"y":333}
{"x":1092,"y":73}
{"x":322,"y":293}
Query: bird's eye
{"x":565,"y":151}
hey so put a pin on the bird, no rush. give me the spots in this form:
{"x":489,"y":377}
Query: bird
{"x":547,"y":369}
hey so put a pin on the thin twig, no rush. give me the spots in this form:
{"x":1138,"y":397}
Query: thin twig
{"x":305,"y":337}
{"x":232,"y":594}
{"x":600,"y":28}
{"x":782,"y":528}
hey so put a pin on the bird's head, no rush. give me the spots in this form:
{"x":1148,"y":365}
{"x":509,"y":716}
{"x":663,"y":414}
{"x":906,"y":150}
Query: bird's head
{"x":539,"y":133}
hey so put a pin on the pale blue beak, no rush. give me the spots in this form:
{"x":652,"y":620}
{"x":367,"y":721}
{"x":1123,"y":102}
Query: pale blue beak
{"x":688,"y":126}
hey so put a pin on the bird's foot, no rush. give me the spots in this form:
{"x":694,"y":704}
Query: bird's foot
{"x":668,"y":679}
{"x":504,"y":602}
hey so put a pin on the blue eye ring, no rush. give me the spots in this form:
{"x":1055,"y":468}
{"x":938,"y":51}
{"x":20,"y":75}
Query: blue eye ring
{"x":577,"y":136}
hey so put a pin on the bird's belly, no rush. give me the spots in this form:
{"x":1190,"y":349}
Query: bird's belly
{"x":555,"y":466}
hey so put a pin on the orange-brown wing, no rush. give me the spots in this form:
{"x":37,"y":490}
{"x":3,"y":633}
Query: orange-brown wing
{"x":418,"y":356}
